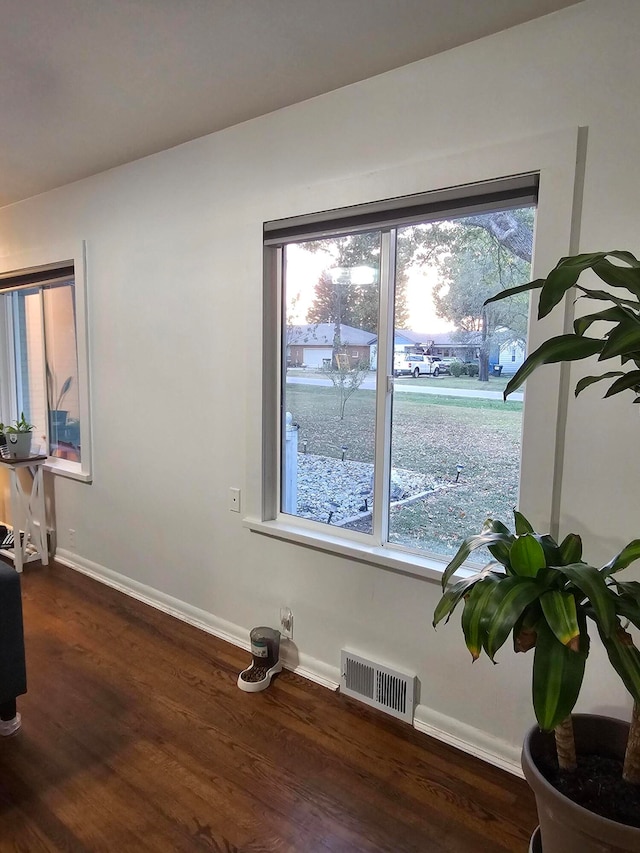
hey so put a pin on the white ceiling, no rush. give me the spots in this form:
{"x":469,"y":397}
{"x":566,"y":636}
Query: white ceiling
{"x":86,"y":85}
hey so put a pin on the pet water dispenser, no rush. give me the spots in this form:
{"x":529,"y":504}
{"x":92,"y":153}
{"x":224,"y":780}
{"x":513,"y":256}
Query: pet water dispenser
{"x":265,"y":648}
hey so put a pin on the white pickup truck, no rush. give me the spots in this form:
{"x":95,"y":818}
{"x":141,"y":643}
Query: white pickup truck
{"x":415,"y":364}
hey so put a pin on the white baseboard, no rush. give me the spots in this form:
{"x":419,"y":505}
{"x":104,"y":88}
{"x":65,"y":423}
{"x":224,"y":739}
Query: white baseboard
{"x":460,"y":735}
{"x":304,"y":665}
{"x":469,"y":739}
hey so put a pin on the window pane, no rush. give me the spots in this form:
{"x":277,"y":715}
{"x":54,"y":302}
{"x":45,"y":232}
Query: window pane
{"x":62,"y":371}
{"x":330,"y":305}
{"x":455,"y":450}
{"x":26,"y":316}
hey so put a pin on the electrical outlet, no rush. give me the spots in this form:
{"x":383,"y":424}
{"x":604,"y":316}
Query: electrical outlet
{"x":286,"y":622}
{"x":234,"y":500}
{"x":71,"y":538}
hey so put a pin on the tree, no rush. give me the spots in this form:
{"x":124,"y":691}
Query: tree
{"x":475,"y":255}
{"x":481,"y":261}
{"x":345,"y":377}
{"x":513,"y":229}
{"x":340,"y":297}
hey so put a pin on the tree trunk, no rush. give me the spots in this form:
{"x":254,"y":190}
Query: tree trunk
{"x":483,"y":368}
{"x":631,"y":769}
{"x":565,"y":744}
{"x":507,"y":230}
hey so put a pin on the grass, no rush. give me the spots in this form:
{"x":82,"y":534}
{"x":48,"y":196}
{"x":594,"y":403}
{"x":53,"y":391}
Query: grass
{"x":432,"y":434}
{"x":495,"y":383}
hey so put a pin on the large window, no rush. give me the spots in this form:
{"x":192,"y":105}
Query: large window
{"x":392,"y":428}
{"x":39,"y":360}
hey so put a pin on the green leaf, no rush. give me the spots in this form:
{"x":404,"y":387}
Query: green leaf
{"x":607,"y":296}
{"x":452,"y":596}
{"x":624,"y":658}
{"x":625,"y":337}
{"x":550,"y":548}
{"x":631,"y":589}
{"x":591,"y":582}
{"x":472,"y":543}
{"x":522,"y":524}
{"x":629,"y":609}
{"x":568,"y":270}
{"x":476,"y":616}
{"x":618,"y":276}
{"x":501,"y":551}
{"x":527,"y":556}
{"x":626,"y":381}
{"x":561,"y":348}
{"x":616,"y":314}
{"x":629,"y":554}
{"x":494,"y":525}
{"x":571,"y":549}
{"x":559,"y":610}
{"x":513,"y":291}
{"x":557,"y":676}
{"x":524,"y":631}
{"x":589,"y":380}
{"x":511,"y":597}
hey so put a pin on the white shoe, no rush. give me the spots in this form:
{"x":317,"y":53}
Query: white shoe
{"x":10,"y":727}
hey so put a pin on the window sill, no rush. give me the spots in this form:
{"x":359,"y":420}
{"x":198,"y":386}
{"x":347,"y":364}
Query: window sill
{"x":64,"y":468}
{"x":428,"y":568}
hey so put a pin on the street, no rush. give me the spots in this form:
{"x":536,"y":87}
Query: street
{"x":431,"y":386}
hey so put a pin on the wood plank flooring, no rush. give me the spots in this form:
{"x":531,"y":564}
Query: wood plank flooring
{"x":136,"y":738}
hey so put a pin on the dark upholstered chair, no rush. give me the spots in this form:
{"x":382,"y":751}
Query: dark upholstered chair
{"x":13,"y":677}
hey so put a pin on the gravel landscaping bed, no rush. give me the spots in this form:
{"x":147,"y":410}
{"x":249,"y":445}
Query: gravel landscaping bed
{"x":343,"y":490}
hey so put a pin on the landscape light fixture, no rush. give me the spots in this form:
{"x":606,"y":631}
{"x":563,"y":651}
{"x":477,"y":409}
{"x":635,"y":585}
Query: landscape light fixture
{"x":458,"y":471}
{"x":344,"y":450}
{"x":304,"y":445}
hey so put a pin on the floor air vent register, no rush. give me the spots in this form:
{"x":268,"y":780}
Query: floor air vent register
{"x":387,"y":689}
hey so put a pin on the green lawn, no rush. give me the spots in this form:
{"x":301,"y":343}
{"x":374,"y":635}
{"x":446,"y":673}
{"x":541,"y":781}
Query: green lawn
{"x":432,"y":434}
{"x":495,"y":383}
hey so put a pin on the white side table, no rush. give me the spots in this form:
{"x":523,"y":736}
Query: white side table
{"x":28,"y":508}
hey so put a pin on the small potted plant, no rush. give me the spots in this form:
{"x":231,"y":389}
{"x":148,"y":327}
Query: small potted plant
{"x":18,"y":438}
{"x":546,"y":596}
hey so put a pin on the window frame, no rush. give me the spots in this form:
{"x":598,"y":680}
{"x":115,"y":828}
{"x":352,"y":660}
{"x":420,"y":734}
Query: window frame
{"x":554,"y":158}
{"x":36,"y":261}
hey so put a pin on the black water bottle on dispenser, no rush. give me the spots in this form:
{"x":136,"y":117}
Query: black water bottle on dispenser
{"x":265,"y":648}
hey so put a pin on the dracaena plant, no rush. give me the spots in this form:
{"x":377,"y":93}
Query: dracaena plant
{"x":546,"y":598}
{"x":620,"y":341}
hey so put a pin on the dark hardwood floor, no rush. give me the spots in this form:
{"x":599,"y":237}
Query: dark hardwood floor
{"x":135,"y":737}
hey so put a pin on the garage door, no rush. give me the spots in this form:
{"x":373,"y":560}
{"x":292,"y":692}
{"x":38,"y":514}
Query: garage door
{"x":315,"y":356}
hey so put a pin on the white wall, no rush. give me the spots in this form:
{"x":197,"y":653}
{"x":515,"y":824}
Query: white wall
{"x":174,"y":277}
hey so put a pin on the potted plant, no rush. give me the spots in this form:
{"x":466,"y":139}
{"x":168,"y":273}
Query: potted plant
{"x":18,"y":438}
{"x":546,"y":596}
{"x":57,"y":416}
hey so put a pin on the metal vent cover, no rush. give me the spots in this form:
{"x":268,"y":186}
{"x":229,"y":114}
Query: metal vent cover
{"x":387,"y":689}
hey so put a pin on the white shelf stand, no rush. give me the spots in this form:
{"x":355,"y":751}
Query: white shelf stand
{"x":28,"y":514}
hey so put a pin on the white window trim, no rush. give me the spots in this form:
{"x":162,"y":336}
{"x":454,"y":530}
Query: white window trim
{"x":58,"y":256}
{"x":554,"y":157}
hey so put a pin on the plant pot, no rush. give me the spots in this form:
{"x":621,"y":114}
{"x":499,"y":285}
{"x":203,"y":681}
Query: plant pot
{"x":57,"y":425}
{"x":19,"y":444}
{"x":566,"y":827}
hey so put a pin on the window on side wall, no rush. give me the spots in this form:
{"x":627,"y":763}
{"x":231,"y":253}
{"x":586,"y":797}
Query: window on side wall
{"x":400,"y":450}
{"x":39,"y":356}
